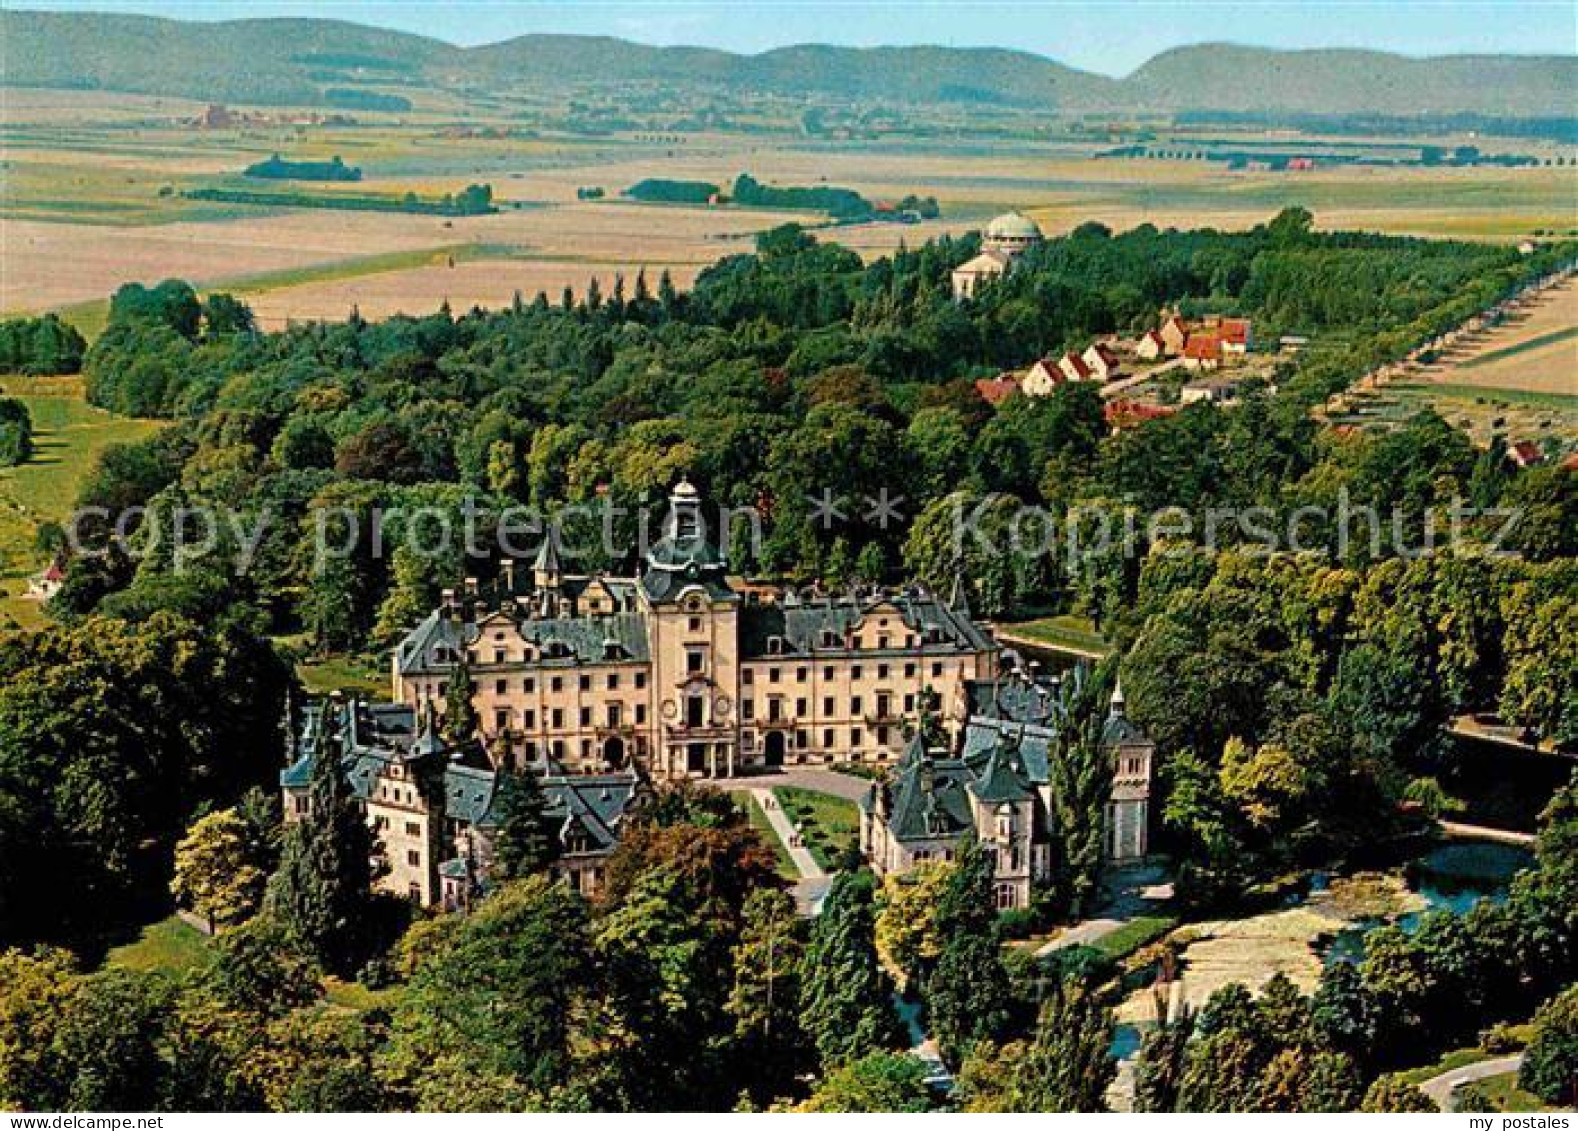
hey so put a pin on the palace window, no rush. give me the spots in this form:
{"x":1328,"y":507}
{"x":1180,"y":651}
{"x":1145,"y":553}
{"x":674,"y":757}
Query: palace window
{"x":413,"y":828}
{"x":855,"y":704}
{"x":748,"y":709}
{"x":586,"y":683}
{"x":695,"y":710}
{"x":615,"y":715}
{"x":773,"y":675}
{"x":586,"y":716}
{"x":855,"y":672}
{"x":1007,"y":897}
{"x":501,"y":719}
{"x":747,"y":676}
{"x":694,"y":624}
{"x":641,"y":680}
{"x":413,"y":858}
{"x":854,"y":736}
{"x":827,"y":705}
{"x":557,"y":718}
{"x":641,"y":713}
{"x":827,"y":739}
{"x":613,"y":681}
{"x":498,"y":655}
{"x":501,"y":687}
{"x":695,"y":660}
{"x":800,"y":675}
{"x":936,"y":671}
{"x":800,"y":707}
{"x":556,"y":684}
{"x":529,"y":719}
{"x":528,"y":685}
{"x":827,"y":675}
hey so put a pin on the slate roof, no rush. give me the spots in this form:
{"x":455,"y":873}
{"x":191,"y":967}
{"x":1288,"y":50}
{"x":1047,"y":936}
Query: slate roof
{"x":594,"y":803}
{"x":562,"y":641}
{"x":802,"y":628}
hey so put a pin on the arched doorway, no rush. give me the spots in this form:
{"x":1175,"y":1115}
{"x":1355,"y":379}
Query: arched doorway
{"x":614,"y":752}
{"x":773,"y":748}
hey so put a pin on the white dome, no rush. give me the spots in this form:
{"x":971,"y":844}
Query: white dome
{"x":1013,"y":226}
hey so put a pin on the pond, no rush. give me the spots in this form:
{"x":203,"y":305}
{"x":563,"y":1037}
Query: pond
{"x":1450,"y":877}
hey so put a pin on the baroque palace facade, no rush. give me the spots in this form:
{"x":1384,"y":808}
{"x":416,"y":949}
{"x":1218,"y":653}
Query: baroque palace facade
{"x":600,"y":685}
{"x":684,"y":672}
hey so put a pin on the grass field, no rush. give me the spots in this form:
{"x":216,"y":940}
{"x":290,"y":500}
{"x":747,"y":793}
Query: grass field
{"x":1067,"y":633}
{"x":759,"y":822}
{"x":351,"y":674}
{"x":827,"y":824}
{"x":69,"y":434}
{"x":1136,"y":933}
{"x":1504,"y":1094}
{"x":169,"y":946}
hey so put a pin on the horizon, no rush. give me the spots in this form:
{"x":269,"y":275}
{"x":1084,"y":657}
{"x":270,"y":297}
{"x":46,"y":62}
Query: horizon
{"x":1112,"y":39}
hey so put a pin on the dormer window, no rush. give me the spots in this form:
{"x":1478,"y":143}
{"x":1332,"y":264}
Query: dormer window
{"x":830,"y":639}
{"x":775,"y":645}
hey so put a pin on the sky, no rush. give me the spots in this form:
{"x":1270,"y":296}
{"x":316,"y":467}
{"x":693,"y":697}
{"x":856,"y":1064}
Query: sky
{"x":1111,"y":38}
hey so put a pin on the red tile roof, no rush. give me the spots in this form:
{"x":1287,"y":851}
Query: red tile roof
{"x":1203,"y":347}
{"x":1526,"y":453}
{"x":996,"y":391}
{"x":1234,"y":330}
{"x":1104,"y":352}
{"x":1077,"y":364}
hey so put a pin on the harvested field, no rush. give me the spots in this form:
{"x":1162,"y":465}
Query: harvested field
{"x":1533,"y":351}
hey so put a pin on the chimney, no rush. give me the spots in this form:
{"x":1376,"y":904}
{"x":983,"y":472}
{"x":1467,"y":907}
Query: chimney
{"x":507,"y":571}
{"x":449,"y":605}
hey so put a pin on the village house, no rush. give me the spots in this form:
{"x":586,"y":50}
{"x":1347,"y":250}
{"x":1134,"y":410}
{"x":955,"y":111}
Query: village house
{"x":686,"y":672}
{"x":1526,"y":453}
{"x":432,"y":808}
{"x":1150,"y":347}
{"x":1216,"y":390}
{"x":1007,"y":238}
{"x":1202,"y":351}
{"x":995,"y":390}
{"x":1041,"y":378}
{"x":1102,"y":361}
{"x":44,"y":586}
{"x":1174,"y":335}
{"x":998,"y":790}
{"x":1074,"y":368}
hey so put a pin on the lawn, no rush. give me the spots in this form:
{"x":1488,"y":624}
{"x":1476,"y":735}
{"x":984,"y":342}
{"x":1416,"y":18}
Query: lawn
{"x":828,"y":824}
{"x":353,"y":674}
{"x":68,"y":436}
{"x":759,"y":822}
{"x":1066,"y":633}
{"x":1505,"y":1095}
{"x":169,"y":946}
{"x":1133,"y":935}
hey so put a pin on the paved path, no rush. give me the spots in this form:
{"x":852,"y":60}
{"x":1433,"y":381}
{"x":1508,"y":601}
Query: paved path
{"x":1129,"y":892}
{"x":804,"y":862}
{"x":1483,"y":832}
{"x":1441,"y":1088}
{"x":814,"y":778}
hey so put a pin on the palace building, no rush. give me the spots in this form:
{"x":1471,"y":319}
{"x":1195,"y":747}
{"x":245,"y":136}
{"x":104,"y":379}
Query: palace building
{"x":431,"y":807}
{"x":998,"y":790}
{"x":686,"y":671}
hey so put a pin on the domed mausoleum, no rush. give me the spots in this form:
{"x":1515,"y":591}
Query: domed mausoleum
{"x":1007,"y":237}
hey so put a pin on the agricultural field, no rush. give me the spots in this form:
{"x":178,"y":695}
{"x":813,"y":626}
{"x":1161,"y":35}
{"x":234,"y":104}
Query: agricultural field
{"x":91,"y":196}
{"x":69,"y":435}
{"x":1518,"y":379}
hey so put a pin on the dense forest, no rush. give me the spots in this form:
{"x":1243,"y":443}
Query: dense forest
{"x":1297,"y":698}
